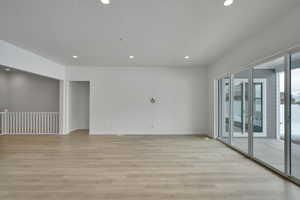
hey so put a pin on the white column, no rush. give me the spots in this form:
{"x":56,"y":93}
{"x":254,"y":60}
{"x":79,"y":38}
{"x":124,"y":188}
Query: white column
{"x":64,"y":107}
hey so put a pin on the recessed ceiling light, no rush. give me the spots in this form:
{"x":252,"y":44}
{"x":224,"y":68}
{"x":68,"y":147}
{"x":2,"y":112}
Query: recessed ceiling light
{"x":228,"y":3}
{"x":105,"y":2}
{"x":131,"y":57}
{"x":186,"y":57}
{"x":7,"y":69}
{"x":75,"y":57}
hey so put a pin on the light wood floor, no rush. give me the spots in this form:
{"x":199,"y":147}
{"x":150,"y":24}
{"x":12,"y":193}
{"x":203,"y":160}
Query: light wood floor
{"x":271,"y":151}
{"x":82,"y":167}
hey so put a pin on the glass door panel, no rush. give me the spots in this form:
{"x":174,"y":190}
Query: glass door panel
{"x":224,"y":108}
{"x":268,"y":112}
{"x":258,"y":112}
{"x":295,"y":115}
{"x":240,"y":110}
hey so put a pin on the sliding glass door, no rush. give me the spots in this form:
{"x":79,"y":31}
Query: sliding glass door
{"x":240,"y":97}
{"x":268,"y":112}
{"x":224,"y":108}
{"x":259,"y":113}
{"x":295,"y":115}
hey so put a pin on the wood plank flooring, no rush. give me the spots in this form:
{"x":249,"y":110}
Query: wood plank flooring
{"x":271,"y":151}
{"x":82,"y":167}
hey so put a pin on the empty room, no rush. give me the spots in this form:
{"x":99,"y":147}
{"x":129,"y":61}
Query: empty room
{"x":149,"y":99}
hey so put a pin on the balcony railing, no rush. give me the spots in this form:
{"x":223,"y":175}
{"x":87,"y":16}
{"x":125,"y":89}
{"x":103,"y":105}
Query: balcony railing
{"x":29,"y":122}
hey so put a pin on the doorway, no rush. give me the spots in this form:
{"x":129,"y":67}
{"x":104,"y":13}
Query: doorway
{"x":79,"y":106}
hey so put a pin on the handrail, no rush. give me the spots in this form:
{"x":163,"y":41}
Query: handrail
{"x":29,"y":122}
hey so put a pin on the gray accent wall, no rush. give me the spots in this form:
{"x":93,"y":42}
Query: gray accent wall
{"x":3,"y":89}
{"x":26,"y":92}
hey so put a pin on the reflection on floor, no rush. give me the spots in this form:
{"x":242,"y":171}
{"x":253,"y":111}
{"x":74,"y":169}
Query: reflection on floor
{"x":79,"y":166}
{"x":271,"y":151}
{"x":80,"y":132}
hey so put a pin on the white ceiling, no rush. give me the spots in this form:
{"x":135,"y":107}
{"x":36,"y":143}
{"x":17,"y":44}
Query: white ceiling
{"x":156,"y":32}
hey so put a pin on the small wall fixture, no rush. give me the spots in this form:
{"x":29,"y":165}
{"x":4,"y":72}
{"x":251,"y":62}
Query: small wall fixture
{"x":152,"y":100}
{"x":75,"y":57}
{"x":105,"y":2}
{"x":186,"y":57}
{"x":228,"y":3}
{"x":131,"y":57}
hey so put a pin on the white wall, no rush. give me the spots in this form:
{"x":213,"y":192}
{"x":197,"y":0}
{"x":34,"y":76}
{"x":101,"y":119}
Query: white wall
{"x":79,"y":105}
{"x":15,"y":57}
{"x":120,"y":99}
{"x":280,"y":36}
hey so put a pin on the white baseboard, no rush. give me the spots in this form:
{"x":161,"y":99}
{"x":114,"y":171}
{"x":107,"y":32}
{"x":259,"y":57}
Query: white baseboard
{"x":147,"y":133}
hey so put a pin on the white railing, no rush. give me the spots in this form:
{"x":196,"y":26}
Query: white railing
{"x":29,"y":122}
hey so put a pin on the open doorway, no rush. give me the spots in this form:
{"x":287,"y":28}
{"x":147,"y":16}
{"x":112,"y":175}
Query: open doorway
{"x":79,"y":104}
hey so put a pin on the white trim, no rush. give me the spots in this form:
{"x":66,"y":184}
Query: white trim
{"x":278,"y":106}
{"x":148,"y":133}
{"x":216,"y":111}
